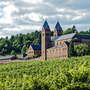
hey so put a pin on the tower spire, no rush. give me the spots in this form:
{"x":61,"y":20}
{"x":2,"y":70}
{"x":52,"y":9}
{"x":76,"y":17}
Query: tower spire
{"x":57,"y":19}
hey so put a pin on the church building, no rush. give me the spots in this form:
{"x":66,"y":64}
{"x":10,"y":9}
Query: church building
{"x":57,"y":46}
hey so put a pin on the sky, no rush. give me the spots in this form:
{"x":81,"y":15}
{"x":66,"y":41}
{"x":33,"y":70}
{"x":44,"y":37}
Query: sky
{"x":26,"y":16}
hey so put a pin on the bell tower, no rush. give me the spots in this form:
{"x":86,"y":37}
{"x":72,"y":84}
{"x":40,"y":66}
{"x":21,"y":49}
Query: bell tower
{"x":46,"y":38}
{"x":58,"y":30}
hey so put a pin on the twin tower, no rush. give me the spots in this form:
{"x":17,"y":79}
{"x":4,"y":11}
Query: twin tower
{"x":46,"y":37}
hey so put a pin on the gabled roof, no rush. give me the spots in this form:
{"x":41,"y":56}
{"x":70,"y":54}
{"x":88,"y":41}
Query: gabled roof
{"x":84,"y":36}
{"x":6,"y":57}
{"x":57,"y":26}
{"x":45,"y":25}
{"x":76,"y":37}
{"x":36,"y":47}
{"x":63,"y":37}
{"x":55,"y":47}
{"x":67,"y":43}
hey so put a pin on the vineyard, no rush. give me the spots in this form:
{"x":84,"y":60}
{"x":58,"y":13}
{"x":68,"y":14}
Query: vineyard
{"x":57,"y":74}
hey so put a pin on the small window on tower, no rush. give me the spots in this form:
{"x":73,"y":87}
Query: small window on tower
{"x":47,"y":29}
{"x":43,"y":34}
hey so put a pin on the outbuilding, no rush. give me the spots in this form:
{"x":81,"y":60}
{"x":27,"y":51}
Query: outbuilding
{"x":34,"y":50}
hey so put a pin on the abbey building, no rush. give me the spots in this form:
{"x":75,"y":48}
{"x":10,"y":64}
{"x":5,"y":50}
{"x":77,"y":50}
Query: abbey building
{"x":57,"y":46}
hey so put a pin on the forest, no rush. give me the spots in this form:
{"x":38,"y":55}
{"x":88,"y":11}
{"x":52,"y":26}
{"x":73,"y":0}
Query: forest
{"x":21,"y":42}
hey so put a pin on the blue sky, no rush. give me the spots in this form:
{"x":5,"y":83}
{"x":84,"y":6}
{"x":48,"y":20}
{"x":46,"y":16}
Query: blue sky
{"x":25,"y":16}
{"x":2,"y":6}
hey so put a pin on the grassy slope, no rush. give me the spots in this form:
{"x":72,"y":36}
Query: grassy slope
{"x":65,"y":74}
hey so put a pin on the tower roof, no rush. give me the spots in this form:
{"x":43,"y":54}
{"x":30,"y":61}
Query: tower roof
{"x":45,"y":25}
{"x":57,"y":26}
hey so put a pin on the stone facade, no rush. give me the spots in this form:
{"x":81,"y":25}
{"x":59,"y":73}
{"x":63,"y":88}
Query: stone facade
{"x":57,"y":47}
{"x":34,"y":50}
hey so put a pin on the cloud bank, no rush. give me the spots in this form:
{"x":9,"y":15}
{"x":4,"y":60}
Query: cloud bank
{"x":25,"y":16}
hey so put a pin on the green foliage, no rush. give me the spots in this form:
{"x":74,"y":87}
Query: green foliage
{"x":70,"y":30}
{"x":57,"y":74}
{"x":71,"y":49}
{"x":82,"y":49}
{"x":87,"y":32}
{"x":5,"y":46}
{"x":33,"y":56}
{"x":24,"y":49}
{"x":19,"y":41}
{"x":13,"y":52}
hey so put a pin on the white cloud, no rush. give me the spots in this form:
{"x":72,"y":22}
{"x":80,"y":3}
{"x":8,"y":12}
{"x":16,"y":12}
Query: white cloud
{"x":35,"y":17}
{"x":23,"y":16}
{"x":7,"y":18}
{"x":33,"y":1}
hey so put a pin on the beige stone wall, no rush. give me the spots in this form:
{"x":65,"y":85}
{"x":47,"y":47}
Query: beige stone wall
{"x":60,"y":42}
{"x":61,"y":52}
{"x":37,"y":52}
{"x":30,"y":51}
{"x":46,"y":38}
{"x":57,"y":33}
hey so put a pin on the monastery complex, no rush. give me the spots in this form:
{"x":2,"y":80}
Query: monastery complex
{"x":57,"y":46}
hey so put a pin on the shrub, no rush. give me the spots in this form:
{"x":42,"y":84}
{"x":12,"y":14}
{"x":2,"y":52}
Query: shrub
{"x":33,"y":56}
{"x":13,"y":52}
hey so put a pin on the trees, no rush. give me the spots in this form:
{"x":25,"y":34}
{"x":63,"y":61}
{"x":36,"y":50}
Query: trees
{"x":24,"y":49}
{"x":70,"y":30}
{"x":13,"y":52}
{"x":82,"y":49}
{"x":74,"y":28}
{"x":5,"y":46}
{"x":71,"y":49}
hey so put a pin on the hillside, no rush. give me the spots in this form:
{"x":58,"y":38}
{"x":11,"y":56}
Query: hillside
{"x":65,"y":74}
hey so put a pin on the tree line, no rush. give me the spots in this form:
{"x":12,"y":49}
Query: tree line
{"x":21,"y":42}
{"x":18,"y":42}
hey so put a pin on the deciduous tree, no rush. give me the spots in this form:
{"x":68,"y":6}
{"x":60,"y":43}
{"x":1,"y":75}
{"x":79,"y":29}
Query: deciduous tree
{"x":82,"y":49}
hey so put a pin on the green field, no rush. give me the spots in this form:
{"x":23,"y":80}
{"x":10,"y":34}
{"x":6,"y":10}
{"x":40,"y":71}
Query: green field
{"x":57,"y":74}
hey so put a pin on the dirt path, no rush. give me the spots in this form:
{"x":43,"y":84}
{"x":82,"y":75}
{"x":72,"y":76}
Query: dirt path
{"x":8,"y":61}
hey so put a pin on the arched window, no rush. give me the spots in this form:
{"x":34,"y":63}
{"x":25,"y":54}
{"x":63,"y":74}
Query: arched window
{"x":43,"y":34}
